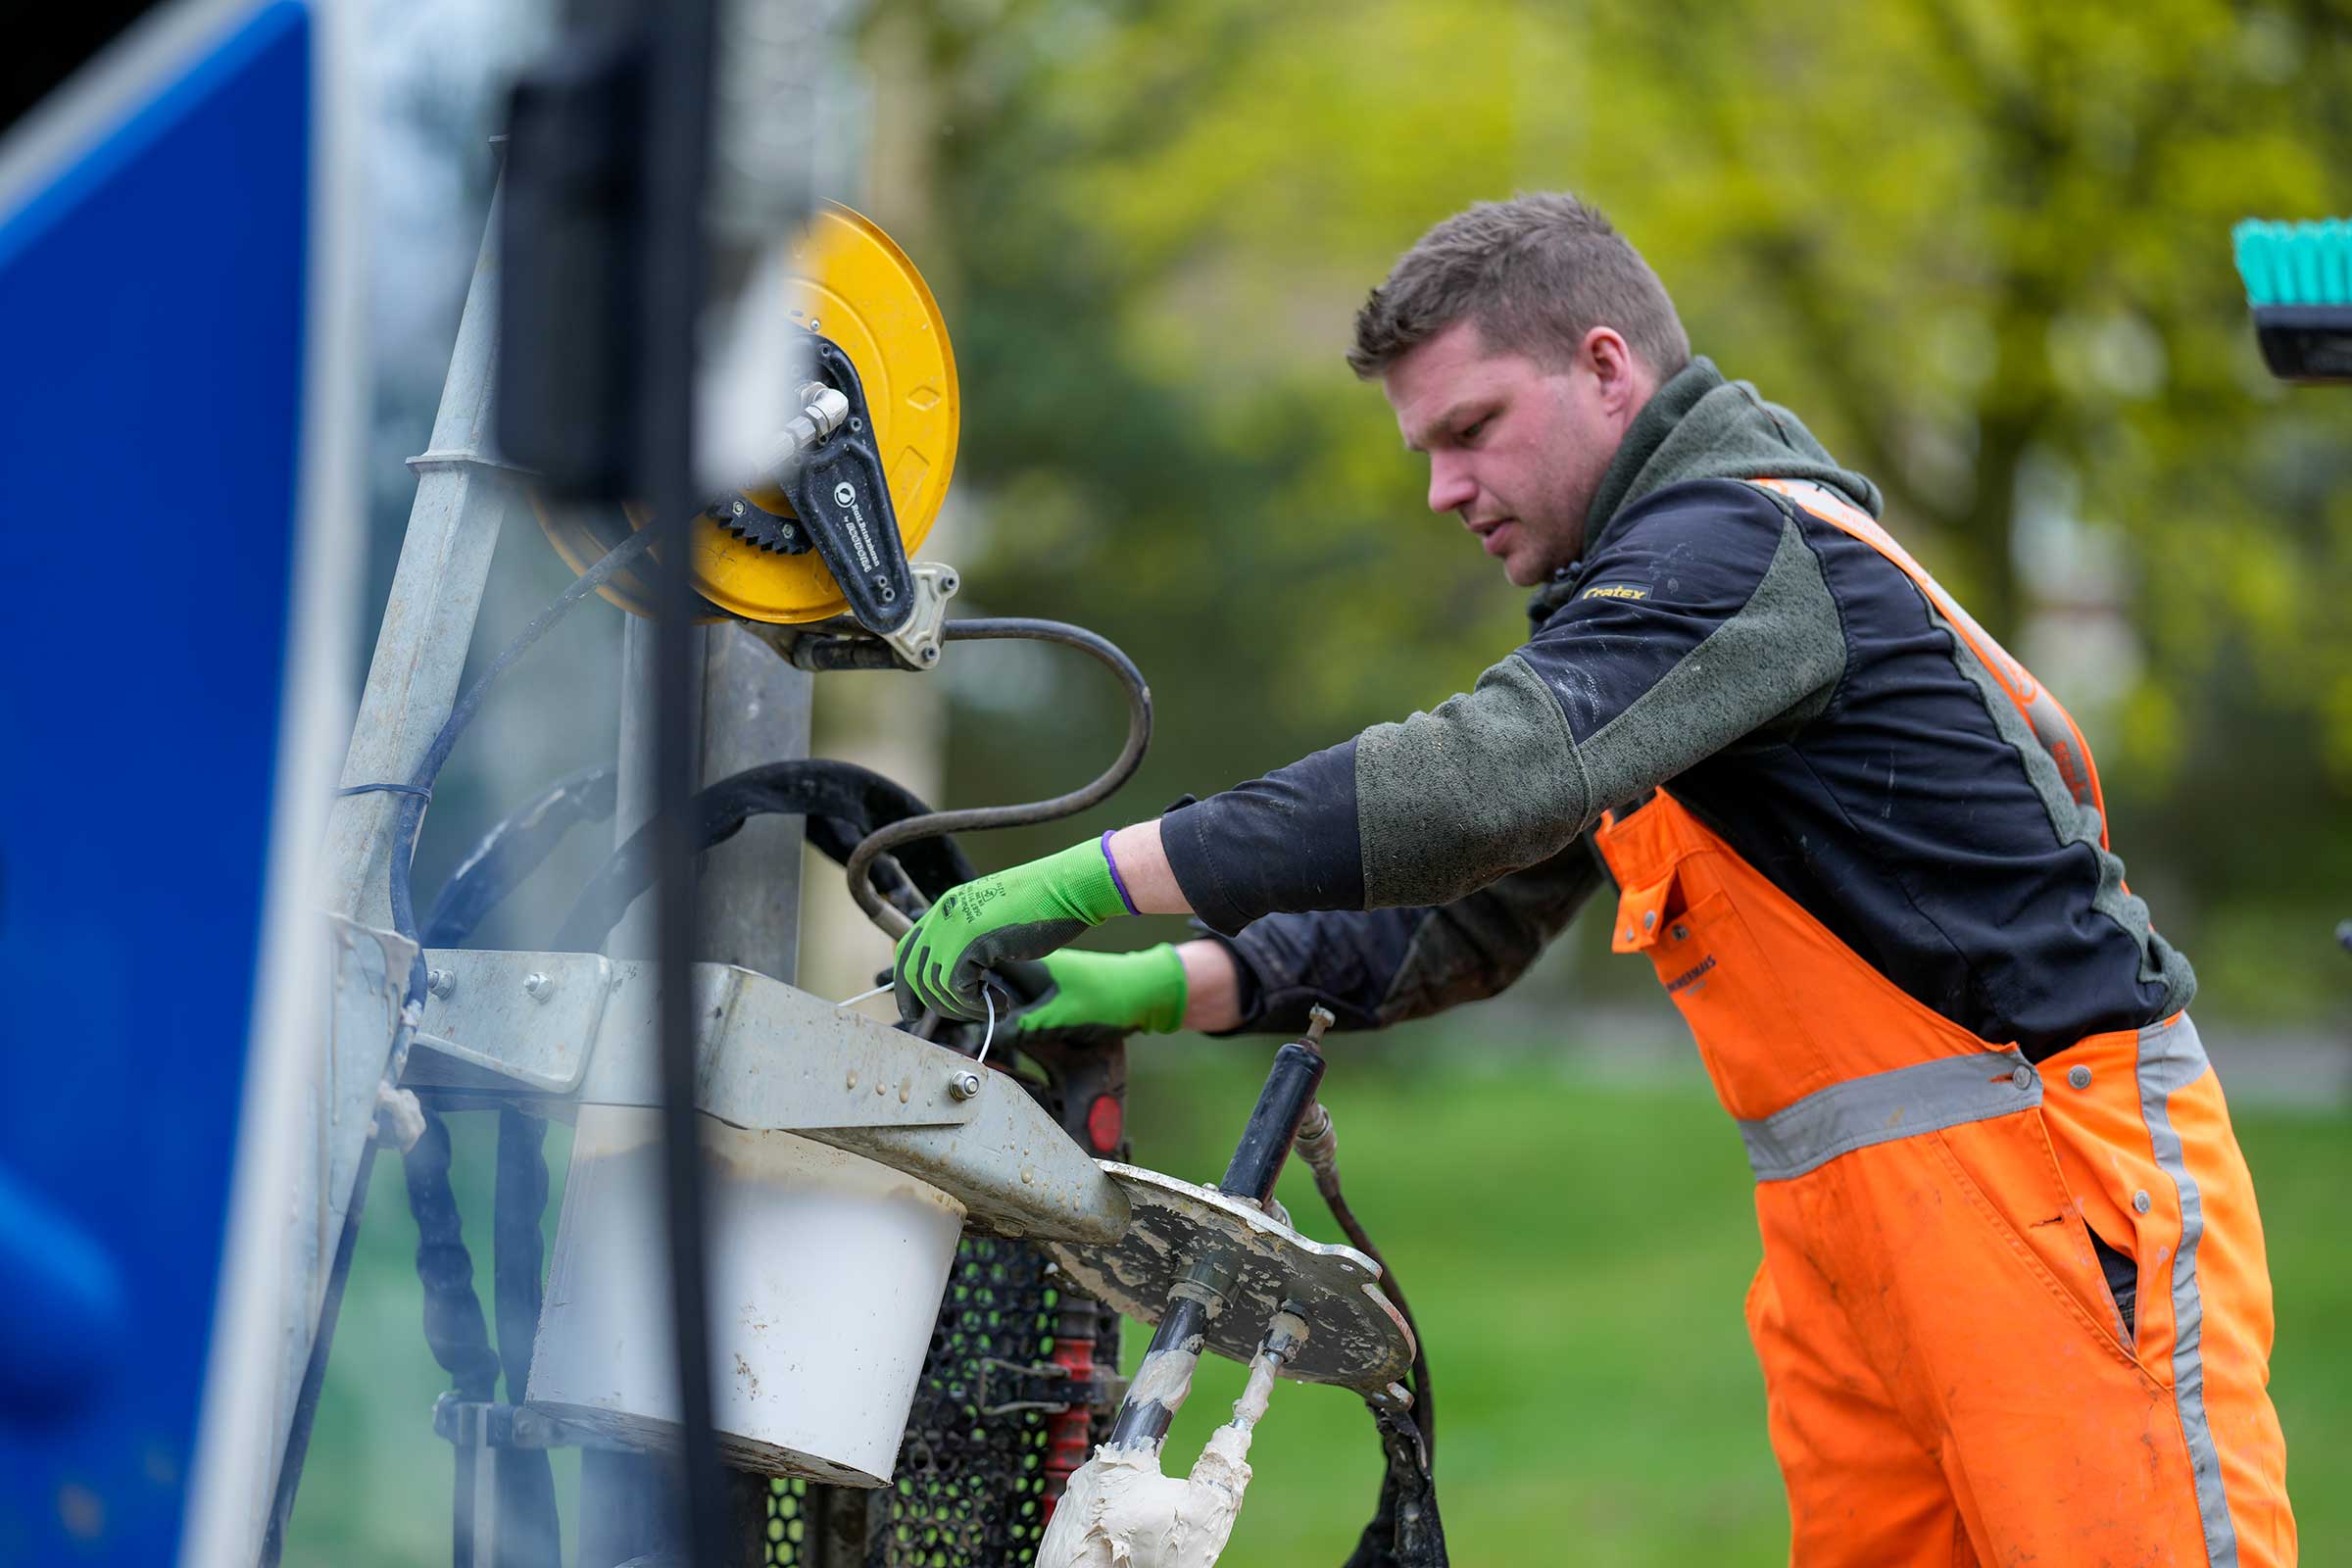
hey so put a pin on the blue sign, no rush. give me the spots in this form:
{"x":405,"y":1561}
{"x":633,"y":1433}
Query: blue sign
{"x":155,"y":281}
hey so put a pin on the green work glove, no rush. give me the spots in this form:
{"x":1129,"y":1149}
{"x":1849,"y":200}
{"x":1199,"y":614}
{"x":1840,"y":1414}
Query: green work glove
{"x":1123,"y":991}
{"x":1025,"y":913}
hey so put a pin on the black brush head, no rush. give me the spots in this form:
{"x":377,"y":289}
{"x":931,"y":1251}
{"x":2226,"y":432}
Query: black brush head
{"x":2307,"y":343}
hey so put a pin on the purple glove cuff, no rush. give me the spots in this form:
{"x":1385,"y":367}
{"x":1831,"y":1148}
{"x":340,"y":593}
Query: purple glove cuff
{"x":1116,"y":880}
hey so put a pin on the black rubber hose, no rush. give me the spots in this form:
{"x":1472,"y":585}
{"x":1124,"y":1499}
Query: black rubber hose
{"x":1406,"y":1531}
{"x":895,"y":921}
{"x":1425,"y":1407}
{"x":421,"y":783}
{"x":845,"y":805}
{"x":453,"y":1314}
{"x":507,"y":856}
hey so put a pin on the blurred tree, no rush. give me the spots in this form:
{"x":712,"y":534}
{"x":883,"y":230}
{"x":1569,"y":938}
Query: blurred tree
{"x":1981,"y":245}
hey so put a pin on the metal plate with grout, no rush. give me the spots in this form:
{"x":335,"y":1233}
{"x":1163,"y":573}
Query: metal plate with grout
{"x":1356,"y":1338}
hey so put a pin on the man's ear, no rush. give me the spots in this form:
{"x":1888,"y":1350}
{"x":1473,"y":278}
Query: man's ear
{"x":1613,"y":365}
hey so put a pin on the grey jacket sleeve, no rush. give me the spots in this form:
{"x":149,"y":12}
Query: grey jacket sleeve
{"x":1377,"y":967}
{"x":1705,"y":618}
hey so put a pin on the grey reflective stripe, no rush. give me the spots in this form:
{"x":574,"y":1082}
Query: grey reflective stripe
{"x":1885,"y":1107}
{"x":2170,"y":1060}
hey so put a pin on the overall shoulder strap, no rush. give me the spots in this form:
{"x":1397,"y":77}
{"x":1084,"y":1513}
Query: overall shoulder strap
{"x":2051,"y":723}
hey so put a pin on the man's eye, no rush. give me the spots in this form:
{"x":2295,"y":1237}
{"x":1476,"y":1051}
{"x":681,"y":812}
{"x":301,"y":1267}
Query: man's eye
{"x":1472,"y":430}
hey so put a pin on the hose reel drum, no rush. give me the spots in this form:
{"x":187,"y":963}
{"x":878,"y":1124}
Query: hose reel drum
{"x":754,"y":555}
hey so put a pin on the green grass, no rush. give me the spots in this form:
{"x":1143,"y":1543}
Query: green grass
{"x":1575,"y":1251}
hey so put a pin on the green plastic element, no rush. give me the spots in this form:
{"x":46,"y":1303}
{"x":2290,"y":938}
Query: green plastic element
{"x":2294,"y":263}
{"x":1024,"y":912}
{"x":1124,"y":991}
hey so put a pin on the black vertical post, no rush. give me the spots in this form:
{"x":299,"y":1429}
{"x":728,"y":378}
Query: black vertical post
{"x":678,"y":36}
{"x":1289,"y":1087}
{"x":608,"y":164}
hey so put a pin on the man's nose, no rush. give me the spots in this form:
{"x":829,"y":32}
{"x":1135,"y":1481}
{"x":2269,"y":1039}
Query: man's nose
{"x":1450,"y":486}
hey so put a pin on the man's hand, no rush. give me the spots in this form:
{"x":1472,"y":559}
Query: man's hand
{"x":1125,"y":990}
{"x":1024,"y":912}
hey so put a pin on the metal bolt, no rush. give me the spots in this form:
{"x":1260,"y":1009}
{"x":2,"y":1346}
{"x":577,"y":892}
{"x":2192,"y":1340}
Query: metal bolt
{"x":440,"y":981}
{"x":539,"y":985}
{"x":2023,"y":1077}
{"x":1681,"y":933}
{"x":788,"y":531}
{"x":736,"y":508}
{"x":855,"y":424}
{"x":2078,"y":1077}
{"x":965,"y":1085}
{"x":930,"y":654}
{"x":2141,"y":1202}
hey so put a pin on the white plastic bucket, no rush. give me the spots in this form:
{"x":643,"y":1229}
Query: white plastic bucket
{"x":826,"y":1272}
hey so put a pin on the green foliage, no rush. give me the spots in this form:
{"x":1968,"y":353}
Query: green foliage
{"x":1981,"y":245}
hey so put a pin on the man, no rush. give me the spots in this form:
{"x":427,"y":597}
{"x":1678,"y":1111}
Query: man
{"x":2013,"y":1305}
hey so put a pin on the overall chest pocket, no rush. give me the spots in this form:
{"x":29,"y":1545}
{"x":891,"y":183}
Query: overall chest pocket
{"x":1757,"y":1047}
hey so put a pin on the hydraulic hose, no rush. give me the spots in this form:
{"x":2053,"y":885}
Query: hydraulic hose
{"x":420,"y":786}
{"x":508,"y":854}
{"x":895,"y":923}
{"x":845,"y":805}
{"x":1319,"y":1143}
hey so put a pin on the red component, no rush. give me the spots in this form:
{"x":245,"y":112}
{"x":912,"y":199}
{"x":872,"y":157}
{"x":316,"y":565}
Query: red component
{"x":1106,"y":1120}
{"x":1069,"y":1435}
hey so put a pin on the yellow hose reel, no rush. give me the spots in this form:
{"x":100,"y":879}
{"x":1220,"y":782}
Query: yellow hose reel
{"x":853,"y":286}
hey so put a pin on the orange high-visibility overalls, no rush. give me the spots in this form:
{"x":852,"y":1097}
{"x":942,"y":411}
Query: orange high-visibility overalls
{"x":1948,"y":1377}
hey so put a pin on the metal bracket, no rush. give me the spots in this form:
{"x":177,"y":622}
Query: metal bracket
{"x":843,"y":643}
{"x":523,"y":1019}
{"x":475,"y":1423}
{"x":562,"y":1029}
{"x":583,"y":1027}
{"x":916,"y":641}
{"x":1256,"y":1267}
{"x":467,"y":457}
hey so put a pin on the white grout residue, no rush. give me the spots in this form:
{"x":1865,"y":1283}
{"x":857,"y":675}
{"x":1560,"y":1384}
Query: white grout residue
{"x":1167,"y":1375}
{"x":1120,"y":1512}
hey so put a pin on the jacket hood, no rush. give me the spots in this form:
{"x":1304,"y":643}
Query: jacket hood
{"x":1701,"y":426}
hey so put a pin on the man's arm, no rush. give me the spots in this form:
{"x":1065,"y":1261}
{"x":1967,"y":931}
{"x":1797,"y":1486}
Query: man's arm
{"x":1386,"y":966}
{"x":1706,"y":620}
{"x":1371,"y":969}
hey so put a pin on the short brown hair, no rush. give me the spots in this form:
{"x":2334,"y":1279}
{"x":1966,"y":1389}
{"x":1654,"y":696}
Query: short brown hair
{"x":1536,"y":273}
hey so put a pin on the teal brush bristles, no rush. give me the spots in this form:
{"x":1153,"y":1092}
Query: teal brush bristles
{"x":2298,"y":278}
{"x":2296,"y":263}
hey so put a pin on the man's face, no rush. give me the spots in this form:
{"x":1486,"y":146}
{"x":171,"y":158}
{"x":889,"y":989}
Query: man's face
{"x":1516,"y":449}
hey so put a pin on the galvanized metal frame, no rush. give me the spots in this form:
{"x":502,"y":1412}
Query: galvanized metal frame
{"x":557,"y":1030}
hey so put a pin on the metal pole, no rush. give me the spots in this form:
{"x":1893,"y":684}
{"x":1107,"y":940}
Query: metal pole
{"x":754,"y":708}
{"x":463,"y":496}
